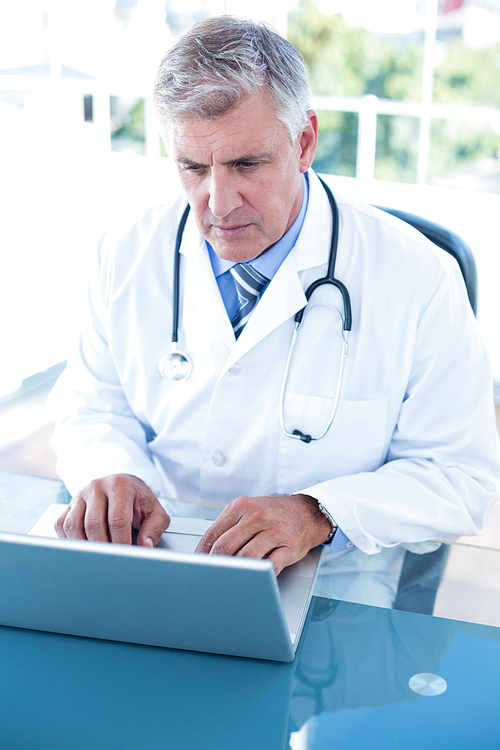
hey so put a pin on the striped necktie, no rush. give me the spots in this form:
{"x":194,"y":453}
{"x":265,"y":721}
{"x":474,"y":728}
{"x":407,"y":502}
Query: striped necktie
{"x":249,"y":286}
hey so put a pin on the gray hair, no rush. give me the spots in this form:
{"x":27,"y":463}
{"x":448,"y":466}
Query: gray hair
{"x":222,"y":61}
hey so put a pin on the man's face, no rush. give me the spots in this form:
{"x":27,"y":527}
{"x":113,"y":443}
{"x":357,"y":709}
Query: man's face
{"x":242,"y":175}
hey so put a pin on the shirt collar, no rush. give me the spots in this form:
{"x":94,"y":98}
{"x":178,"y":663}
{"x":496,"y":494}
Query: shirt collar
{"x":269,"y":262}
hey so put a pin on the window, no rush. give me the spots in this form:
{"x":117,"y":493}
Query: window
{"x":408,"y":98}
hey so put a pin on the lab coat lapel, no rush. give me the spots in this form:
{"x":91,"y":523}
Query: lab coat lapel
{"x":203,"y":308}
{"x":285,"y":294}
{"x":281,"y":300}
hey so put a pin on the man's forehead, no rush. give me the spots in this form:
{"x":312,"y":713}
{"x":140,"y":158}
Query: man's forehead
{"x":249,"y":130}
{"x":244,"y":141}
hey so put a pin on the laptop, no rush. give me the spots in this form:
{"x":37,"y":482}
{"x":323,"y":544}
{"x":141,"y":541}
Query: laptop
{"x":167,"y":596}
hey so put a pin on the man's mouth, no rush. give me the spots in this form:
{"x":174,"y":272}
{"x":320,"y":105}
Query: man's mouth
{"x":226,"y":231}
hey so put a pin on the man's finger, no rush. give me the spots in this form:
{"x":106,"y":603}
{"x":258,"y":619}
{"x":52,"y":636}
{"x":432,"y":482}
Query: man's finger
{"x":95,"y":521}
{"x":121,"y":494}
{"x":281,"y":557}
{"x":71,"y":523}
{"x":152,"y":527}
{"x":220,"y":526}
{"x":59,"y":524}
{"x":243,"y":544}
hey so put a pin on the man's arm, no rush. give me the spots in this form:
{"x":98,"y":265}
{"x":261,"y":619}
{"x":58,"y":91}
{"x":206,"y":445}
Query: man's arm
{"x":97,"y":435}
{"x":441,"y":470}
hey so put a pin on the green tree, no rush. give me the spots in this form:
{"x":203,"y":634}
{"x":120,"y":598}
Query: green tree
{"x":466,"y":76}
{"x":131,"y":129}
{"x":343,"y":61}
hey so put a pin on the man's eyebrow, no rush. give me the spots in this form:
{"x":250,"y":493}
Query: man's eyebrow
{"x":266,"y":156}
{"x":188,"y":162}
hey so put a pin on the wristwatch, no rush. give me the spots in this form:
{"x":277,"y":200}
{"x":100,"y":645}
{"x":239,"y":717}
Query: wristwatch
{"x":327,"y":515}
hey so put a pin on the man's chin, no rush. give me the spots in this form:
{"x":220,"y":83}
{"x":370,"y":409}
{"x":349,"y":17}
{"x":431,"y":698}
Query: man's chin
{"x":236,"y":251}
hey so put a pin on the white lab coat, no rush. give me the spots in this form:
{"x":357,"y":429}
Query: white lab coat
{"x":412,"y":453}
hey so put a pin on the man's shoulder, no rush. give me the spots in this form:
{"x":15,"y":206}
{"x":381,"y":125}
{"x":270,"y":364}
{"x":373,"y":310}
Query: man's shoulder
{"x":387,"y":239}
{"x":359,"y":217}
{"x":145,"y":225}
{"x":130,"y":251}
{"x":373,"y":238}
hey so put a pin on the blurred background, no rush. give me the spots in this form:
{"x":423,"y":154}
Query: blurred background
{"x":408,"y":94}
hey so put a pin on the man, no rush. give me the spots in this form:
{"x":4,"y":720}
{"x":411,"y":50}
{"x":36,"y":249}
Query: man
{"x":411,"y":453}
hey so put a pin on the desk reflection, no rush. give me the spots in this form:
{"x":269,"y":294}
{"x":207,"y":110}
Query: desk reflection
{"x":358,"y":656}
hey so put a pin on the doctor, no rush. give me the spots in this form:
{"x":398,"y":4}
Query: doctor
{"x":411,"y":452}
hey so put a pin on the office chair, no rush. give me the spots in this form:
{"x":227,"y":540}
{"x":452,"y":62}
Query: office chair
{"x":448,"y":241}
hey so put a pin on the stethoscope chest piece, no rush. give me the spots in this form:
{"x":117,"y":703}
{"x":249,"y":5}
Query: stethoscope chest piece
{"x":175,"y":365}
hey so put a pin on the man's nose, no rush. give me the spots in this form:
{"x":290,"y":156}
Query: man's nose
{"x":224,"y":195}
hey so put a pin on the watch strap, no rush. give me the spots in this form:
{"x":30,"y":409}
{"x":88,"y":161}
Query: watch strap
{"x":327,"y":515}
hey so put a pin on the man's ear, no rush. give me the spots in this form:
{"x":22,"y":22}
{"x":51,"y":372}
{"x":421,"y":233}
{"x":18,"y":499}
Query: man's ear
{"x":308,"y":141}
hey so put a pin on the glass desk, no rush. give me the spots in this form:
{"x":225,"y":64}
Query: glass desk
{"x":368,"y":675}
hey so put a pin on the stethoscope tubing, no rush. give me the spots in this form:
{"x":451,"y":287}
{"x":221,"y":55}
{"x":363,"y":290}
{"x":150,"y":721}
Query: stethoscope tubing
{"x":332,"y":260}
{"x":346,"y":328}
{"x":177,"y":275}
{"x":328,"y":279}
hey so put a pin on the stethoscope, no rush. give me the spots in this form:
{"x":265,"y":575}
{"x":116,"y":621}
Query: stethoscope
{"x":176,"y":365}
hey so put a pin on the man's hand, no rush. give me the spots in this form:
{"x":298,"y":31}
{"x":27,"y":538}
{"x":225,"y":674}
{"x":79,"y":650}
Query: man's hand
{"x":281,"y":528}
{"x":107,"y":509}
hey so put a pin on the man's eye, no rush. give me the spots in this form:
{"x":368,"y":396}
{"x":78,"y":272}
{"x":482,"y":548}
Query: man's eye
{"x":245,"y":166}
{"x":194,"y":168}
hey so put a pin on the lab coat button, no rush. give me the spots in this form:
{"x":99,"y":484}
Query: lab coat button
{"x":219,"y":458}
{"x":234,"y":370}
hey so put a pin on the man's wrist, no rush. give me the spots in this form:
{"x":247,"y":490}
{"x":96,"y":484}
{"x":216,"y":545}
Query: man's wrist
{"x":321,"y":513}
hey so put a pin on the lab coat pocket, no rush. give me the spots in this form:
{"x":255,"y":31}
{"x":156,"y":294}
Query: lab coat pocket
{"x":355,"y":442}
